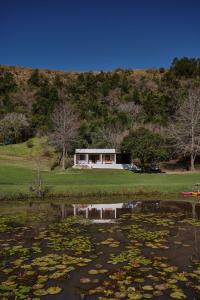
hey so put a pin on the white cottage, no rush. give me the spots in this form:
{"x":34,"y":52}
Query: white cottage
{"x":98,"y":158}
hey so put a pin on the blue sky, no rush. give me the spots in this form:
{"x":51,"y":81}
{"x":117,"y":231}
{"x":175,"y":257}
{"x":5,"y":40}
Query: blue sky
{"x":91,"y":35}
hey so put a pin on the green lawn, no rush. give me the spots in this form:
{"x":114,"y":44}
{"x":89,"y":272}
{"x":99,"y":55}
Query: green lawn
{"x":15,"y":180}
{"x":19,"y":162}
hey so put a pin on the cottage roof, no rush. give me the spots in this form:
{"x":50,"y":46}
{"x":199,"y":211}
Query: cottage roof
{"x":95,"y":151}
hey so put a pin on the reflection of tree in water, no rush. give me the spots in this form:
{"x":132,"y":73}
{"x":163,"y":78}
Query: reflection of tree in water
{"x":150,"y":206}
{"x":196,"y":230}
{"x":62,"y":210}
{"x":196,"y":234}
{"x":197,"y":211}
{"x":56,"y":209}
{"x":132,"y":204}
{"x":40,"y":207}
{"x":128,"y":204}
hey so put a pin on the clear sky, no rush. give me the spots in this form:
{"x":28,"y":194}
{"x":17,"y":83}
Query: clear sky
{"x":90,"y":35}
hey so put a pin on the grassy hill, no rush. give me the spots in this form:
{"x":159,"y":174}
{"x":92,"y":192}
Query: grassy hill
{"x":28,"y":154}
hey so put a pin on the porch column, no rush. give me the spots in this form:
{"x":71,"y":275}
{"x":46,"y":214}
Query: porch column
{"x":101,"y":158}
{"x":101,"y":213}
{"x":87,"y":158}
{"x":74,"y":210}
{"x":115,"y":158}
{"x":86,"y":212}
{"x":74,"y":159}
{"x":115,"y":213}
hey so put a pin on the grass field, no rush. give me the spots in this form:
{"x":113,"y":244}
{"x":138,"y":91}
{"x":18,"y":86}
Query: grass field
{"x":18,"y":172}
{"x":15,"y":180}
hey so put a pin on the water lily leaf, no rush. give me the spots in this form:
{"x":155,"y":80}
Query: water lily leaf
{"x":147,"y":296}
{"x":178,"y":295}
{"x":38,"y":286}
{"x":147,"y":288}
{"x":53,"y":290}
{"x":40,"y":292}
{"x":93,"y":272}
{"x":85,"y":280}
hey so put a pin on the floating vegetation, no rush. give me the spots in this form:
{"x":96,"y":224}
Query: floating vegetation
{"x":145,"y":255}
{"x":111,"y":243}
{"x":190,"y":221}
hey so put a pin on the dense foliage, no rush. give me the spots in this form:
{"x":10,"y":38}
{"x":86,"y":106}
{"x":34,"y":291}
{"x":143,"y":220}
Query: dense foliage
{"x":145,"y":145}
{"x":124,"y":99}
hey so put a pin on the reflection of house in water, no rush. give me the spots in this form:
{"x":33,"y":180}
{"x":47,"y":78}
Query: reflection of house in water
{"x":101,"y":213}
{"x":97,"y":213}
{"x":114,"y":211}
{"x":104,"y":213}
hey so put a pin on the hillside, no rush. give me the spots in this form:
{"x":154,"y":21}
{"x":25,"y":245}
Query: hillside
{"x":110,"y":108}
{"x":22,"y":74}
{"x":29,"y":154}
{"x":129,"y":110}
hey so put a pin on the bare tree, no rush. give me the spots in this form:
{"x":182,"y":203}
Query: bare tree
{"x":129,"y":108}
{"x":156,"y":128}
{"x":114,"y":135}
{"x":185,"y":130}
{"x":13,"y":126}
{"x":25,"y":97}
{"x":65,"y":125}
{"x":113,"y":98}
{"x":132,"y":110}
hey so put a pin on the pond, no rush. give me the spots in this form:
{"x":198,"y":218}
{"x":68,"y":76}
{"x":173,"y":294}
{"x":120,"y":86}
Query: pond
{"x":135,"y":250}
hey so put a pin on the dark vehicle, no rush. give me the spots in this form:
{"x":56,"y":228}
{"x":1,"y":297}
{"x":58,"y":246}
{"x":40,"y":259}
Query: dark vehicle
{"x":151,"y":169}
{"x":135,"y":169}
{"x":155,"y":169}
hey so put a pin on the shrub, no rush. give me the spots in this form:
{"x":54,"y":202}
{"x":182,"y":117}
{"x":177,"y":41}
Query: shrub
{"x":54,"y":164}
{"x":29,"y":144}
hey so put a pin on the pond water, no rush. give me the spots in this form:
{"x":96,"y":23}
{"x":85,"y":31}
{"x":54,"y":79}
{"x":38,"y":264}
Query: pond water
{"x":135,"y":250}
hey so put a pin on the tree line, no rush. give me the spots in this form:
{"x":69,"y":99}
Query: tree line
{"x":152,"y":114}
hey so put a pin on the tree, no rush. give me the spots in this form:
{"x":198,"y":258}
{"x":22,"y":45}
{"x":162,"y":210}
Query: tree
{"x":154,"y":106}
{"x":43,"y":106}
{"x":185,"y":128}
{"x":113,"y":135}
{"x":65,"y":126}
{"x":7,"y":83}
{"x":35,"y":79}
{"x":13,"y":128}
{"x":7,"y":87}
{"x":24,"y":98}
{"x":185,"y":67}
{"x":145,"y":146}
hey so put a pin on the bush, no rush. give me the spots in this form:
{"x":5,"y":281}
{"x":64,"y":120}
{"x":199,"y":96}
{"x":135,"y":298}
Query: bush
{"x":47,"y":153}
{"x":29,"y":144}
{"x":54,"y":165}
{"x":14,"y":127}
{"x":68,"y":163}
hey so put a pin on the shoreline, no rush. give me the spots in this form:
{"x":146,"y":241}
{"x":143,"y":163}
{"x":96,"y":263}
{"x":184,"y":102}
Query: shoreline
{"x":99,"y":197}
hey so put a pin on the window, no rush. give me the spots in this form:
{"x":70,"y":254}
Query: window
{"x":107,"y":157}
{"x":82,"y":156}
